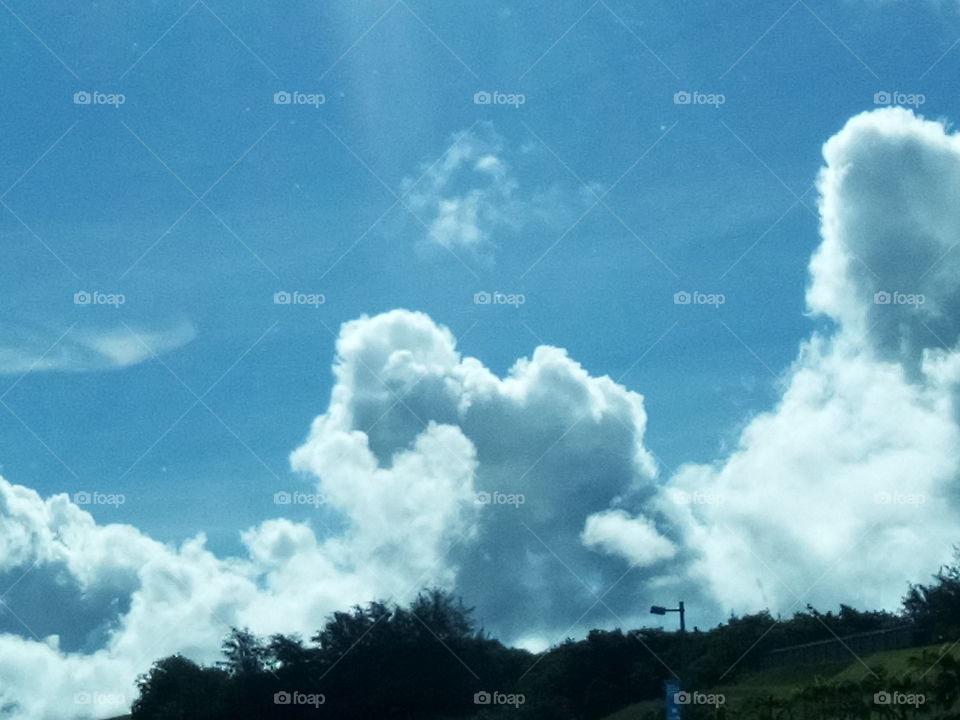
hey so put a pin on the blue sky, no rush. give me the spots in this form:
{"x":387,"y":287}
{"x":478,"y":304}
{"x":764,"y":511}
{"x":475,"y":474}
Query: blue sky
{"x":597,"y":199}
{"x":198,"y":99}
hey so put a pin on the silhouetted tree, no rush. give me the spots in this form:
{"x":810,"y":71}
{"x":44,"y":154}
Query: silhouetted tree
{"x":935,"y":608}
{"x":176,"y":688}
{"x":243,"y":652}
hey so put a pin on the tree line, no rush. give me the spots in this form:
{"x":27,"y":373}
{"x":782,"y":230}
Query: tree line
{"x":429,"y":660}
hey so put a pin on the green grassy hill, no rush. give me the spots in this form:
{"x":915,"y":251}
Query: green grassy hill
{"x":783,"y":682}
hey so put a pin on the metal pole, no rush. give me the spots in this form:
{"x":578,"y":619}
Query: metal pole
{"x":683,"y":625}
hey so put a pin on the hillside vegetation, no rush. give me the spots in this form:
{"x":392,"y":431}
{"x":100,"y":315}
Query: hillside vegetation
{"x":428,"y":660}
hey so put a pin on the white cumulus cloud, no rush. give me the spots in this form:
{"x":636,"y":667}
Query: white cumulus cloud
{"x":635,"y":539}
{"x":847,"y":489}
{"x":414,"y":437}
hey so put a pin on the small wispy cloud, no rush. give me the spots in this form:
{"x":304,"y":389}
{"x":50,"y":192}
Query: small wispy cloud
{"x":472,"y":193}
{"x":463,"y":197}
{"x":87,"y":349}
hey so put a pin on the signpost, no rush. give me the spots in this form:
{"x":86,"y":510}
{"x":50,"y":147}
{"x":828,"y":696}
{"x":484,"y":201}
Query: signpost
{"x":673,"y":710}
{"x":660,"y":610}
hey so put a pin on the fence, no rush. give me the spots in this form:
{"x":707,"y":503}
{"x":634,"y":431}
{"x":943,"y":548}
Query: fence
{"x":840,"y":649}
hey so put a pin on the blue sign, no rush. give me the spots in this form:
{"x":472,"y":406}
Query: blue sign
{"x":673,"y":708}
